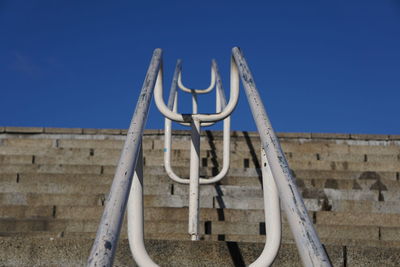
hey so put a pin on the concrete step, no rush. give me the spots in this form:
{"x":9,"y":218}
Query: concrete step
{"x":53,"y":188}
{"x":59,"y":178}
{"x":62,"y":188}
{"x":343,"y":147}
{"x":51,"y":225}
{"x":207,"y":237}
{"x":28,"y":142}
{"x":158,"y":213}
{"x":27,"y":212}
{"x":46,"y":151}
{"x":344,"y":175}
{"x":42,"y":199}
{"x":32,"y":199}
{"x":310,"y":178}
{"x":182,"y":142}
{"x":36,"y":168}
{"x":363,"y":206}
{"x":342,"y":213}
{"x":74,"y":252}
{"x":336,"y":194}
{"x":243,"y":231}
{"x":55,"y":185}
{"x":8,"y":177}
{"x":158,"y":209}
{"x":344,"y":166}
{"x":176,"y":195}
{"x":213,"y":157}
{"x":156,"y":175}
{"x":357,"y":218}
{"x":107,"y":152}
{"x":379,"y":184}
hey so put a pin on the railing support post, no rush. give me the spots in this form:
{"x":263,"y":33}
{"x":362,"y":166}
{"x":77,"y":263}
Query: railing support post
{"x":135,"y":217}
{"x":194,"y":180}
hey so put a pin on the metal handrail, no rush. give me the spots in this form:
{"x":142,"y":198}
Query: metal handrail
{"x":104,"y":246}
{"x":275,"y":172}
{"x":220,"y":105}
{"x":197,"y":91}
{"x":195,"y":119}
{"x":174,"y":116}
{"x":310,"y":248}
{"x":271,"y":198}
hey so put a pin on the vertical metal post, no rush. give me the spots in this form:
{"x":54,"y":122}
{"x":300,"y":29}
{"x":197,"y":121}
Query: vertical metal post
{"x":194,"y":180}
{"x":218,"y":101}
{"x":135,"y":217}
{"x":194,"y":103}
{"x":272,"y":215}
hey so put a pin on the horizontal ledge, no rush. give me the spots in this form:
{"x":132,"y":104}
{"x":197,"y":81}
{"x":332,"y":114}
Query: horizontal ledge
{"x":235,"y":133}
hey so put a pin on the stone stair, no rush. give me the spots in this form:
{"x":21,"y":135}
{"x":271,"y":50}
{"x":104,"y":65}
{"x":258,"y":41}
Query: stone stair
{"x":54,"y":183}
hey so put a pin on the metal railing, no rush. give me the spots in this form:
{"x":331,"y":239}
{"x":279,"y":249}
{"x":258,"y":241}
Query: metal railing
{"x":104,"y":246}
{"x":276,"y":175}
{"x":194,"y":181}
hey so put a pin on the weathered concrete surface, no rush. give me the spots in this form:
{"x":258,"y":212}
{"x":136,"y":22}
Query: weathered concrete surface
{"x":74,"y":252}
{"x":54,"y":184}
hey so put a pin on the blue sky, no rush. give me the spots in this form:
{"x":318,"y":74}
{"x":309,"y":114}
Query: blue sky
{"x":320,"y":66}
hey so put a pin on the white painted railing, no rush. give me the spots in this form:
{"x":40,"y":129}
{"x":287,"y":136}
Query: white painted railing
{"x":276,"y":177}
{"x":194,"y":181}
{"x":220,"y":104}
{"x":310,"y":248}
{"x":104,"y":246}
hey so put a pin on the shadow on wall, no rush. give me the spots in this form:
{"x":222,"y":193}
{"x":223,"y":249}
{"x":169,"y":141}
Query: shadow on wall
{"x":233,"y":248}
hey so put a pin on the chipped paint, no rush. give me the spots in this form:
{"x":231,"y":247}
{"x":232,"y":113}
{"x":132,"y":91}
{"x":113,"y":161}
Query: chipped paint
{"x":307,"y":241}
{"x":103,"y":249}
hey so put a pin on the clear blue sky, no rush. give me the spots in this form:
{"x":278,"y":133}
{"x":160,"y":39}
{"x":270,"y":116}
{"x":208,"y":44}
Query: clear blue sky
{"x":321,"y":66}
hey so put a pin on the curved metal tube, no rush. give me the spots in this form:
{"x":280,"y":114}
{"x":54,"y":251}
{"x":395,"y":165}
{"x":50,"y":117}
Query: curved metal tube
{"x":272,"y":215}
{"x":172,"y":105}
{"x":276,"y":172}
{"x":135,"y":218}
{"x":196,"y":91}
{"x":173,"y":95}
{"x":233,"y":98}
{"x":203,"y":124}
{"x":220,"y":104}
{"x":173,"y":92}
{"x":226,"y":155}
{"x":158,"y":96}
